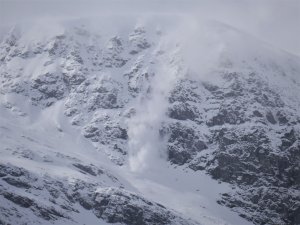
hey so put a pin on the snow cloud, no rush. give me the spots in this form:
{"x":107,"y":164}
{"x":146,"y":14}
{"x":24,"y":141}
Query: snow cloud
{"x":146,"y":145}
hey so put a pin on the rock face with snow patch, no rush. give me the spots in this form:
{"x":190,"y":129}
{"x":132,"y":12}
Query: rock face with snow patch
{"x":113,"y":205}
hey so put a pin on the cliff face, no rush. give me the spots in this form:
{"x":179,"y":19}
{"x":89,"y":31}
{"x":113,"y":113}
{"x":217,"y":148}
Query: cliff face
{"x":137,"y":95}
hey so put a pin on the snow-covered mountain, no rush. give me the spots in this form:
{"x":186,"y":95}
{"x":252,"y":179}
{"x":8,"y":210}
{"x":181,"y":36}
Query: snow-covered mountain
{"x":126,"y":121}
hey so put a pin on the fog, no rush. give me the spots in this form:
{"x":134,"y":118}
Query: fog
{"x":273,"y":21}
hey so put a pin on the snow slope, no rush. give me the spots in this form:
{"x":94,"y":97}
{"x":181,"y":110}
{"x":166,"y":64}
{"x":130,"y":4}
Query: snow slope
{"x":44,"y":143}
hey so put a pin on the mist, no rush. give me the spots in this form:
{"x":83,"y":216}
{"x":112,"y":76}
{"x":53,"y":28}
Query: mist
{"x":273,"y":21}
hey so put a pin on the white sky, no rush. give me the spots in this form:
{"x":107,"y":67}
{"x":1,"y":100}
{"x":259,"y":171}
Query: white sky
{"x":274,"y":21}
